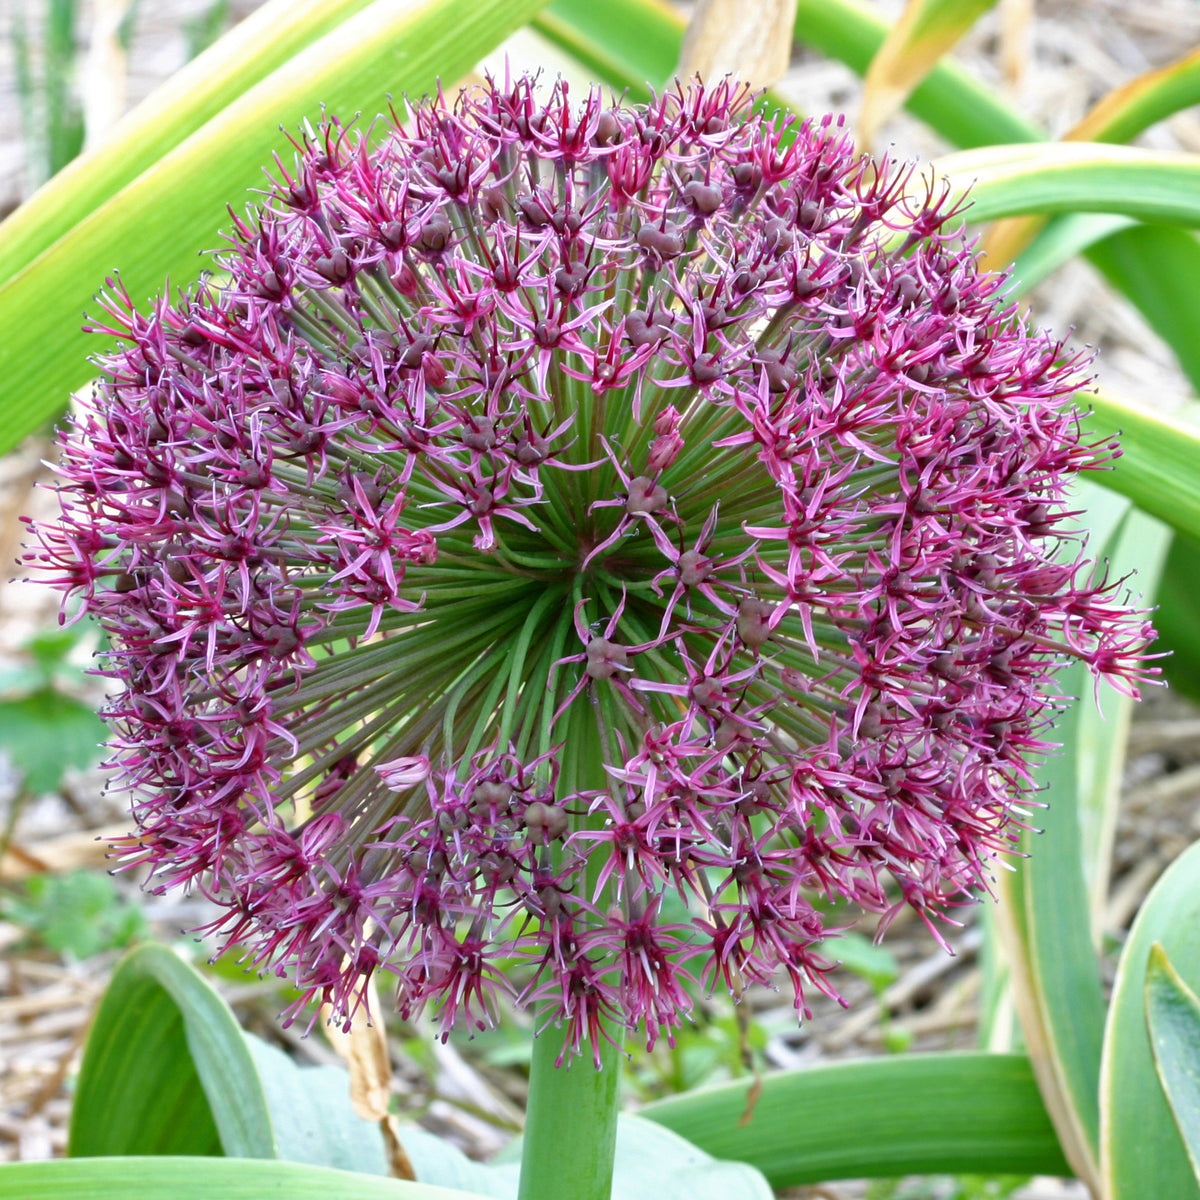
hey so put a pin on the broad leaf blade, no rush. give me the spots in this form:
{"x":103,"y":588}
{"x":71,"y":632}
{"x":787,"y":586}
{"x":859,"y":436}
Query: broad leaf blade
{"x":176,"y":1178}
{"x":249,"y":52}
{"x":926,"y":30}
{"x":909,"y":1114}
{"x":166,"y":1069}
{"x":311,"y":1114}
{"x":154,"y":227}
{"x":650,"y":1161}
{"x":1173,"y":1022}
{"x":1142,"y":1154}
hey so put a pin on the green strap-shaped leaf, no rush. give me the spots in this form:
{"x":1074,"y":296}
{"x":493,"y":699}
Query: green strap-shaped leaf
{"x":1158,"y":268}
{"x":926,"y":30}
{"x":1061,"y":239}
{"x":1157,"y":468}
{"x":1053,"y":898}
{"x":1058,"y":177}
{"x":1133,"y":107}
{"x":968,"y":115}
{"x":1143,"y":1156}
{"x":1054,"y":969}
{"x":949,"y":99}
{"x":166,"y":1069}
{"x":1135,"y":550}
{"x":154,"y":227}
{"x":250,"y":51}
{"x":1173,"y":1022}
{"x":1177,"y":617}
{"x":175,"y":1178}
{"x":631,"y":45}
{"x":909,"y":1114}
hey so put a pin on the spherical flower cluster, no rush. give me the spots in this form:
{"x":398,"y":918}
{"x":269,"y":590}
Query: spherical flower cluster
{"x":571,"y":549}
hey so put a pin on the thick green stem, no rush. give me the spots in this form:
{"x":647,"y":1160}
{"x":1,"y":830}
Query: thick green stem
{"x":571,"y":1125}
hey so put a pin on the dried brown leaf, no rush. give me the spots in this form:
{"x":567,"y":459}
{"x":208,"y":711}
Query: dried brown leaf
{"x":748,"y":39}
{"x":365,"y":1049}
{"x":925,"y":31}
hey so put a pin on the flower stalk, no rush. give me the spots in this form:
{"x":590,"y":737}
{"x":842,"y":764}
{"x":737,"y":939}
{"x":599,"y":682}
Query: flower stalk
{"x":571,"y":1121}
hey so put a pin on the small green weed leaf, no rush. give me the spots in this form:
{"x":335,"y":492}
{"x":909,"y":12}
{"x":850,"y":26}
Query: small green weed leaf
{"x":876,"y":964}
{"x":1173,"y":1021}
{"x":45,"y":732}
{"x":1142,"y":1154}
{"x":182,"y":1178}
{"x":50,"y":648}
{"x":78,"y":913}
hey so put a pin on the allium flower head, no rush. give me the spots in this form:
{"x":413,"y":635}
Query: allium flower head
{"x":591,"y":538}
